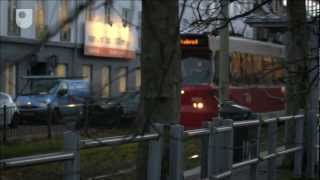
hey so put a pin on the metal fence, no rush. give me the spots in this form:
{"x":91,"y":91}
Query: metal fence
{"x":216,"y":154}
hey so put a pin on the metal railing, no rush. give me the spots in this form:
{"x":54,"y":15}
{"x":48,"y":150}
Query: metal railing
{"x":216,"y":151}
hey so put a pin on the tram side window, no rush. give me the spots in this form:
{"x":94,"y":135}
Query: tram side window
{"x":248,"y":69}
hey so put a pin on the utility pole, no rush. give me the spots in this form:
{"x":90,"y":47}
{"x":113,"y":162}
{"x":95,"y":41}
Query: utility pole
{"x":224,"y":55}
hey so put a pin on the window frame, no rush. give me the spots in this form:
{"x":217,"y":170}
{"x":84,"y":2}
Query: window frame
{"x":12,"y":27}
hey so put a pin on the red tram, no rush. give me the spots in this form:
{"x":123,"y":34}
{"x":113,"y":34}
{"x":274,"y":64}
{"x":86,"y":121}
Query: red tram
{"x":255,"y":77}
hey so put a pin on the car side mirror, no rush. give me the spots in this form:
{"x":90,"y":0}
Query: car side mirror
{"x":62,"y":92}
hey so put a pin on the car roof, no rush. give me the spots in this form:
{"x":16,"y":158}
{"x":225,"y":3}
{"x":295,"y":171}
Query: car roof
{"x":51,"y":77}
{"x":2,"y":94}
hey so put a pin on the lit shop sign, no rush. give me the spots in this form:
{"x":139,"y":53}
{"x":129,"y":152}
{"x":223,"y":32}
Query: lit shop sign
{"x":106,"y":40}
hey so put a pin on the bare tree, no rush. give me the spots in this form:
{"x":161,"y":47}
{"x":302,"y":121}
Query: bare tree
{"x":160,"y":65}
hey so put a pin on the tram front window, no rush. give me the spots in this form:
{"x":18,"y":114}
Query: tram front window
{"x":196,"y":70}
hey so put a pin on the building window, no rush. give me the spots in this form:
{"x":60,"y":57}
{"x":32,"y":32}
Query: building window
{"x":87,"y":72}
{"x":13,"y":29}
{"x":139,"y":29}
{"x":107,"y":12}
{"x":41,"y":28}
{"x":10,"y":79}
{"x":65,"y":33}
{"x":89,"y":12}
{"x":105,"y":81}
{"x":123,"y":76}
{"x":61,"y":70}
{"x":138,"y":78}
{"x":126,"y":14}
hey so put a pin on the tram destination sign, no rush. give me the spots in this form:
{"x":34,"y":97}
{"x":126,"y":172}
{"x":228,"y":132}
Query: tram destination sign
{"x":194,"y":40}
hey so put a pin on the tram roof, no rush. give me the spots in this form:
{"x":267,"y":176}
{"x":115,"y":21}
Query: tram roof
{"x":238,"y":44}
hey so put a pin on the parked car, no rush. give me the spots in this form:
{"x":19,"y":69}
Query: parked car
{"x":64,"y":96}
{"x":11,"y":111}
{"x":116,"y":110}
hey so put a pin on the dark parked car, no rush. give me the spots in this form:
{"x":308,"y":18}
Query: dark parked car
{"x":116,"y":110}
{"x":244,"y":138}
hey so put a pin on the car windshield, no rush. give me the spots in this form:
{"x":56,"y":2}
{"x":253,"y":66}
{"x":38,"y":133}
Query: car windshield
{"x":196,"y":70}
{"x":42,"y":87}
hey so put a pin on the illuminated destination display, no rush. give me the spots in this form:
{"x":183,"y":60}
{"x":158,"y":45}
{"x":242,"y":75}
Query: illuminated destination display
{"x":189,"y":42}
{"x":194,"y":41}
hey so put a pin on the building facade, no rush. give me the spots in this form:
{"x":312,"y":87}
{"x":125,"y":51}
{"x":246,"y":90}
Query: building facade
{"x":65,"y":53}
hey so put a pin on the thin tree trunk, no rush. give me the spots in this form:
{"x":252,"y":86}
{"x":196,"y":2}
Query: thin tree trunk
{"x":160,"y":67}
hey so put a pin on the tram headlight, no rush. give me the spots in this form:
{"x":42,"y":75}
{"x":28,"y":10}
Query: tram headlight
{"x":182,"y":91}
{"x":198,"y":105}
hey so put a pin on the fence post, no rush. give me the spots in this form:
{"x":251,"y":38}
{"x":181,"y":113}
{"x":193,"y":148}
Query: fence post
{"x":310,"y":143}
{"x":272,"y":148}
{"x":49,"y":120}
{"x":155,"y":154}
{"x":253,"y":167}
{"x":176,"y":167}
{"x":298,"y":155}
{"x":72,"y":144}
{"x":4,"y":124}
{"x":204,"y":152}
{"x":220,"y":150}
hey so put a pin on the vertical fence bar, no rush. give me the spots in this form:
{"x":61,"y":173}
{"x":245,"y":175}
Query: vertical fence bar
{"x":220,"y":149}
{"x":204,"y":153}
{"x":176,"y":152}
{"x":272,"y":147}
{"x":155,"y":154}
{"x":310,"y":143}
{"x":72,"y":144}
{"x":298,"y":155}
{"x":4,"y":124}
{"x":49,"y":120}
{"x":254,"y":167}
{"x":212,"y":166}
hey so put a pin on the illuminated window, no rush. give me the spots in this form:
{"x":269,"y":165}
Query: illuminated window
{"x":13,"y":29}
{"x":10,"y":79}
{"x":61,"y":70}
{"x":105,"y":81}
{"x":40,"y":19}
{"x":65,"y":33}
{"x":86,"y":72}
{"x":122,"y":76}
{"x":138,"y":78}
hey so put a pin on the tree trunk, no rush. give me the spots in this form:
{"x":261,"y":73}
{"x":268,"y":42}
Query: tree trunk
{"x":160,"y":68}
{"x":297,"y":59}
